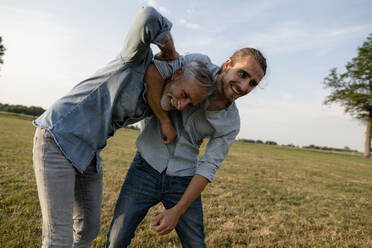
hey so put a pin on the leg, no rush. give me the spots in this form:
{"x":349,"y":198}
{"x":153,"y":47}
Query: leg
{"x":139,"y":192}
{"x":87,"y":206}
{"x":190,"y":227}
{"x":55,"y":179}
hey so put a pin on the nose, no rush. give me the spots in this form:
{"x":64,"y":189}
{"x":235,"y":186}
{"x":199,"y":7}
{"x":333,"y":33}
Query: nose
{"x":245,"y":87}
{"x":182,"y":104}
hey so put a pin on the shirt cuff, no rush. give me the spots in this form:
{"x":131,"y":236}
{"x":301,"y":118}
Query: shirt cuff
{"x":206,"y":170}
{"x":161,"y":39}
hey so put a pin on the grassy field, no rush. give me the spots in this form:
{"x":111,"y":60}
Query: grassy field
{"x":263,"y":196}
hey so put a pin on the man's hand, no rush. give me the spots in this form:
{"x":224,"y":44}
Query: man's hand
{"x":169,"y":132}
{"x":168,"y":52}
{"x":165,"y":222}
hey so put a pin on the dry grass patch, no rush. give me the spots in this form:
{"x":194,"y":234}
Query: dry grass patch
{"x":263,"y":196}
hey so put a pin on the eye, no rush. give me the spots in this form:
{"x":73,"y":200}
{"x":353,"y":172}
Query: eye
{"x":243,"y":74}
{"x":253,"y":83}
{"x":186,"y":95}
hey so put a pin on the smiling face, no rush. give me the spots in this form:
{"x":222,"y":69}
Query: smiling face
{"x":181,"y":92}
{"x":239,"y":79}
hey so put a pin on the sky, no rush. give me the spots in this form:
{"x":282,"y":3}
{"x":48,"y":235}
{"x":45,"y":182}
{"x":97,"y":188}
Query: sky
{"x":53,"y":45}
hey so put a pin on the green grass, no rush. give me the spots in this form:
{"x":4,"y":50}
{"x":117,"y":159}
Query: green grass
{"x":263,"y":196}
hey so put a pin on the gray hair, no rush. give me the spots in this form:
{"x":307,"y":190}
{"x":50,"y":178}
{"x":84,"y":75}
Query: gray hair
{"x":200,"y":71}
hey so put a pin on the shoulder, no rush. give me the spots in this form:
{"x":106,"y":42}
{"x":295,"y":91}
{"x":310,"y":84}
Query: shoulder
{"x":225,"y":121}
{"x":204,"y":59}
{"x":198,"y":56}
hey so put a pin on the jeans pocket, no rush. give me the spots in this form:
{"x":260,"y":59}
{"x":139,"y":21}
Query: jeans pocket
{"x":179,"y":184}
{"x":138,"y":161}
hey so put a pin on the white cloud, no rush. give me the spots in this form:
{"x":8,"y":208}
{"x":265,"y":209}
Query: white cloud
{"x":190,"y":11}
{"x":42,"y":55}
{"x":154,"y":4}
{"x":294,"y":37}
{"x":350,"y":30}
{"x":150,"y":3}
{"x":34,"y":37}
{"x":164,"y":10}
{"x":188,"y":24}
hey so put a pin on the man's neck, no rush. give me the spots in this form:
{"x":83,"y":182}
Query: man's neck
{"x":218,"y":100}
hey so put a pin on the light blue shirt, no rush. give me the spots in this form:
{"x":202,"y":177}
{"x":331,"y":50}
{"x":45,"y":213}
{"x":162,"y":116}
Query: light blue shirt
{"x":113,"y":97}
{"x":192,"y":124}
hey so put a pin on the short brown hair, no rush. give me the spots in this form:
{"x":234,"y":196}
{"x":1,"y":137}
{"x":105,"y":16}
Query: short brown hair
{"x":256,"y":54}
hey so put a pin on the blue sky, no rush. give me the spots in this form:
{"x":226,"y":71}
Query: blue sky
{"x":53,"y":45}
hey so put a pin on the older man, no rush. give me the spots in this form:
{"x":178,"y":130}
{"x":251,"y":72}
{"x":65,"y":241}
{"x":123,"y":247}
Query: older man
{"x":171,"y":173}
{"x":73,"y":131}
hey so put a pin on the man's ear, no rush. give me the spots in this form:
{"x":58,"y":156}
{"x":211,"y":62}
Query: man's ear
{"x":177,"y":74}
{"x":227,"y":64}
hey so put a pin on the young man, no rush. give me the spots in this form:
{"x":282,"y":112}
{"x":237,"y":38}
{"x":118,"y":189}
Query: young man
{"x":171,"y":173}
{"x":73,"y":131}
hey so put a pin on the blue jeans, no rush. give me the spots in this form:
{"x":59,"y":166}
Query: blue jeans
{"x":143,"y":188}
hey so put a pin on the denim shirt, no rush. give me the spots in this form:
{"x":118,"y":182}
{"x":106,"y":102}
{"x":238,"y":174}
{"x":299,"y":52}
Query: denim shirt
{"x":113,"y":97}
{"x":180,"y":158}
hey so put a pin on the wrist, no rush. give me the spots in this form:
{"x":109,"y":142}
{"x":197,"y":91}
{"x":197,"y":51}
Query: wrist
{"x":179,"y":209}
{"x":169,"y":54}
{"x":165,"y":122}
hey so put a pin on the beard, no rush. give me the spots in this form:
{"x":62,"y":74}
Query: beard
{"x":225,"y":85}
{"x":164,"y":103}
{"x":166,"y":96}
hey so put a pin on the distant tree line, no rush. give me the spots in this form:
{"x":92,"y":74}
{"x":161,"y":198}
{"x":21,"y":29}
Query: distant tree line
{"x":269,"y":142}
{"x":133,"y":127}
{"x":325,"y":148}
{"x":21,"y":109}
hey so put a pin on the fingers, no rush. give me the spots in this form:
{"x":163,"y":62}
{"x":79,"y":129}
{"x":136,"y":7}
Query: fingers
{"x":166,"y":140}
{"x":166,"y":230}
{"x":161,"y":229}
{"x":159,"y":224}
{"x":157,"y":220}
{"x":171,"y":138}
{"x":162,"y":225}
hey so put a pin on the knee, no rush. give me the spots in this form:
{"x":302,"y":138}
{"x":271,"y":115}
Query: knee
{"x":86,"y":231}
{"x":121,"y":231}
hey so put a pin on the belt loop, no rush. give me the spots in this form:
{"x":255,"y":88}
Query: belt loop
{"x":163,"y":181}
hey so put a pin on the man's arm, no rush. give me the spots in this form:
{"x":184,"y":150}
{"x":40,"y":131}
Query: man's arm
{"x":167,"y":220}
{"x":227,"y":125}
{"x":216,"y":152}
{"x":149,"y":26}
{"x":155,"y":84}
{"x":168,"y":51}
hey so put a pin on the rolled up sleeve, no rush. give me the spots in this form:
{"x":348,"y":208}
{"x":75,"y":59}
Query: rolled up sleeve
{"x":216,"y":152}
{"x":226,"y":124}
{"x":167,"y":68}
{"x":149,"y":26}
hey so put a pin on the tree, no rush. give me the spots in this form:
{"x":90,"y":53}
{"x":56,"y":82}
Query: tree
{"x":2,"y":50}
{"x":353,"y":89}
